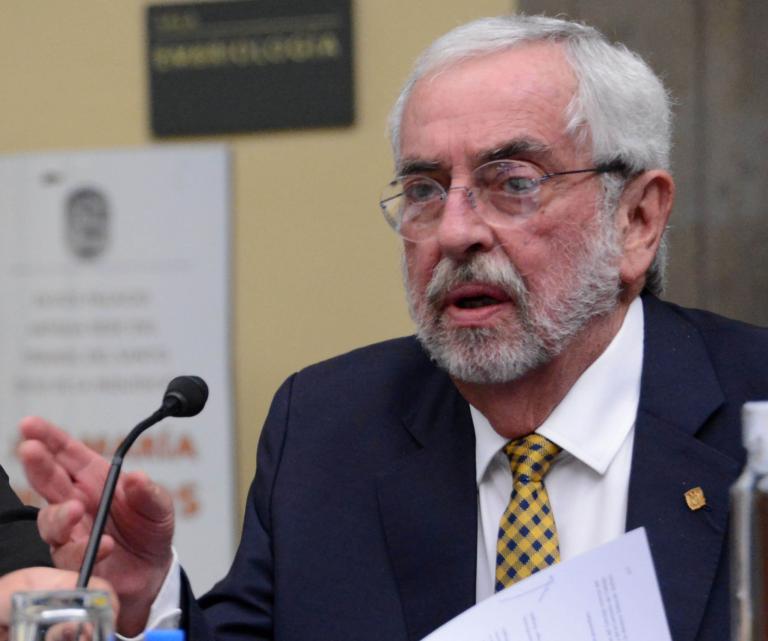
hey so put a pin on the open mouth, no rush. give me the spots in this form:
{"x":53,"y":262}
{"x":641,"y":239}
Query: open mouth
{"x":475,"y":296}
{"x":473,"y":302}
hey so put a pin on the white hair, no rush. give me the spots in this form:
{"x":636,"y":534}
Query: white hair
{"x":620,"y":105}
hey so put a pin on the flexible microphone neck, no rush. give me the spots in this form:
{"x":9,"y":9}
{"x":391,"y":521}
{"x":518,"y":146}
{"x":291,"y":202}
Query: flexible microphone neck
{"x":185,"y":396}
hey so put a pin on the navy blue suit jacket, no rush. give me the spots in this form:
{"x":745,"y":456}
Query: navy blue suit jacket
{"x":361,"y":521}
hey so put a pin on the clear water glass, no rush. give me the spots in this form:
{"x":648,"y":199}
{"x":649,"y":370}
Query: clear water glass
{"x":61,"y":615}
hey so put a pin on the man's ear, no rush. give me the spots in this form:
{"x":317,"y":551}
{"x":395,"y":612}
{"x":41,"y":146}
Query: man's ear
{"x":644,"y":210}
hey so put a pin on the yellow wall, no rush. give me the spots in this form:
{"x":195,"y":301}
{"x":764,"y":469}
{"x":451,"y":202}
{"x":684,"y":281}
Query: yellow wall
{"x":315,"y":268}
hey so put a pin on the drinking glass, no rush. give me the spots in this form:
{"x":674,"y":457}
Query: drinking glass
{"x":61,"y":615}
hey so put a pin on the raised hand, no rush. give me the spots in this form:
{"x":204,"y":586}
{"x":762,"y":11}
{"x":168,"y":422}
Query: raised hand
{"x":135,"y":551}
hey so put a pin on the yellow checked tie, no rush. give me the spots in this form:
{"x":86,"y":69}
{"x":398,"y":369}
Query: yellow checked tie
{"x":527,"y":536}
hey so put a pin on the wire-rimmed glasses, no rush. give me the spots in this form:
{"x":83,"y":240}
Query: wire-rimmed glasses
{"x":501,"y":192}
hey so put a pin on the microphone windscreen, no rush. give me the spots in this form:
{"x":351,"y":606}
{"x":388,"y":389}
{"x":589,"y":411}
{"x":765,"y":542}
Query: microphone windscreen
{"x":185,"y":396}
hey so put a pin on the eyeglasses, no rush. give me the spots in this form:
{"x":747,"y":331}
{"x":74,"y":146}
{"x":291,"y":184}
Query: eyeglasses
{"x":506,"y":189}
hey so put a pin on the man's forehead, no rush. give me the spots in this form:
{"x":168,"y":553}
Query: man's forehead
{"x":540,"y":67}
{"x":511,"y":99}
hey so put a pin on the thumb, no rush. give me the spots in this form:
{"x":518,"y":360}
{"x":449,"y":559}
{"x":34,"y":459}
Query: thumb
{"x":143,"y":519}
{"x":146,"y":498}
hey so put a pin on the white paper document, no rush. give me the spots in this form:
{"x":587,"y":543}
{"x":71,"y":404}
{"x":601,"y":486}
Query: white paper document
{"x":607,"y":594}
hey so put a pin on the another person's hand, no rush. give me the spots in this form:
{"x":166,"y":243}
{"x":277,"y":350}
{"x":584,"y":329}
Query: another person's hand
{"x":42,"y":579}
{"x":135,"y":551}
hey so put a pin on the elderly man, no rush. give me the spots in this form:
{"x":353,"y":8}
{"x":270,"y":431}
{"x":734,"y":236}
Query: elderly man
{"x":550,"y":403}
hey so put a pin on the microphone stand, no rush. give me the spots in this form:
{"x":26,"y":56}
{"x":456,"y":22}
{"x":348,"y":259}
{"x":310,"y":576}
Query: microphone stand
{"x":109,"y":489}
{"x":185,"y":396}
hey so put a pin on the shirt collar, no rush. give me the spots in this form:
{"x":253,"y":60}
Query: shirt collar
{"x":597,"y":413}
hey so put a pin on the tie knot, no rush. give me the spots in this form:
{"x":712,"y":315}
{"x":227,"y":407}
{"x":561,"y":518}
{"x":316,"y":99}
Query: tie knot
{"x":530,"y":457}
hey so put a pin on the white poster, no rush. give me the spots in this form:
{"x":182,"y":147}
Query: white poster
{"x":114,"y":276}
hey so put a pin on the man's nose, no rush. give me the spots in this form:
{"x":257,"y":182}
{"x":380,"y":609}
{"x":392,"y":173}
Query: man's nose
{"x":471,"y":198}
{"x":462,"y":229}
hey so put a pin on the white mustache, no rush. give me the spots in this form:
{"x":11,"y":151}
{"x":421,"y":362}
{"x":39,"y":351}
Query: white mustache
{"x":483,"y":268}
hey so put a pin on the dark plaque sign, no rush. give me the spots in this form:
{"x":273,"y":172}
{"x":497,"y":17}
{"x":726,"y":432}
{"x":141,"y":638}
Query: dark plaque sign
{"x":248,"y":65}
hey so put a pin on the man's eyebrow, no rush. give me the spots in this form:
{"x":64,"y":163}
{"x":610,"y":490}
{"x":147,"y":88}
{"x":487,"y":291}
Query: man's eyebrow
{"x":512,"y":149}
{"x":516,"y":148}
{"x":408,"y":167}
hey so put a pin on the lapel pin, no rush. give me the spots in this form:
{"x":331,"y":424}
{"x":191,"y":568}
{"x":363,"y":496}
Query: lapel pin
{"x":695,"y":499}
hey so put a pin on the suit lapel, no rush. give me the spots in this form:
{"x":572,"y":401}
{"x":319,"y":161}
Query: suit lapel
{"x":679,"y":394}
{"x":428,"y":506}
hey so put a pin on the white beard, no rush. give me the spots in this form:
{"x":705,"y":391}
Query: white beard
{"x":545,"y":323}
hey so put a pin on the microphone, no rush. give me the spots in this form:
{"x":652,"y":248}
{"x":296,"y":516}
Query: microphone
{"x":184,"y":396}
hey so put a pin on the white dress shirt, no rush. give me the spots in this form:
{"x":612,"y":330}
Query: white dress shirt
{"x":588,"y":482}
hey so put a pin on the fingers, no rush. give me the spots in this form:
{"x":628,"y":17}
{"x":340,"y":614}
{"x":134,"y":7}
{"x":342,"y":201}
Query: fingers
{"x":58,"y":466}
{"x":57,"y":522}
{"x":70,"y":555}
{"x":147,"y":498}
{"x":48,"y":478}
{"x":66,"y":529}
{"x":73,"y":454}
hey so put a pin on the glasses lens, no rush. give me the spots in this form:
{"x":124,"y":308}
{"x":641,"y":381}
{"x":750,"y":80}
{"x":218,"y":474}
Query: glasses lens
{"x":412,"y":205}
{"x":510,"y":188}
{"x":504,"y":190}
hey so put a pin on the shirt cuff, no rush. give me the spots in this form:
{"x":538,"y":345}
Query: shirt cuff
{"x":165,"y":613}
